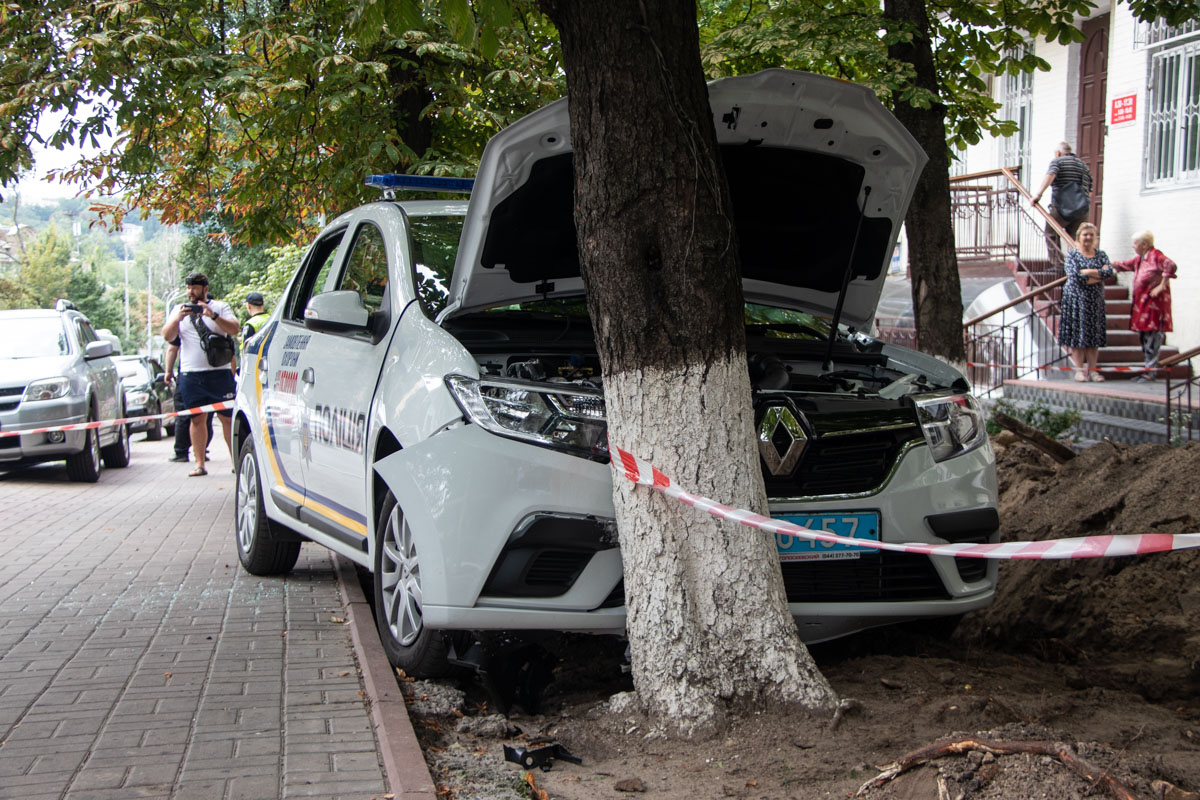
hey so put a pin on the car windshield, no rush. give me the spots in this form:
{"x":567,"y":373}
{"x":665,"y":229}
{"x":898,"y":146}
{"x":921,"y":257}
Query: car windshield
{"x":132,"y":373}
{"x":33,"y":337}
{"x":435,"y":244}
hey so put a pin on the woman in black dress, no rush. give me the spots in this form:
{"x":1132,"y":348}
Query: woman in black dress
{"x":1081,"y":327}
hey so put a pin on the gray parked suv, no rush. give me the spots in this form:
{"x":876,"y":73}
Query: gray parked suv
{"x":55,"y":370}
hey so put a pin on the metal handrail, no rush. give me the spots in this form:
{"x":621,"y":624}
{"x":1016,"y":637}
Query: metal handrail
{"x":1179,"y":357}
{"x":1038,"y":292}
{"x":1008,"y":173}
{"x":1183,"y":415}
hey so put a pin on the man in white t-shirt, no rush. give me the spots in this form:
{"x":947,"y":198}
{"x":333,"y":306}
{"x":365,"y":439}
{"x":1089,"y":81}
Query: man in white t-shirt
{"x":199,"y":382}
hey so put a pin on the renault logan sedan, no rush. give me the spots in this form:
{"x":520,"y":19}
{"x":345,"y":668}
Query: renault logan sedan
{"x":427,"y":401}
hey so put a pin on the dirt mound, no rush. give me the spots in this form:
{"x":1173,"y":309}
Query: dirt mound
{"x":1130,"y":623}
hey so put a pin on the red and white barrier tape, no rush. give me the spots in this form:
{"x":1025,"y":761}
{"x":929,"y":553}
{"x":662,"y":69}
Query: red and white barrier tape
{"x":645,"y":474}
{"x":112,"y":423}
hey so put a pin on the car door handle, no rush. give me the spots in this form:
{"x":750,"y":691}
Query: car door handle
{"x":308,"y":376}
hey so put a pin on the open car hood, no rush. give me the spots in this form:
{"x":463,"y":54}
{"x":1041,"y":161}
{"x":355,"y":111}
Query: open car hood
{"x":802,"y":152}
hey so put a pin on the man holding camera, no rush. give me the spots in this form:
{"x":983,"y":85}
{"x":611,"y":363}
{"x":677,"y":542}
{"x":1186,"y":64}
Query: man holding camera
{"x":200,"y":381}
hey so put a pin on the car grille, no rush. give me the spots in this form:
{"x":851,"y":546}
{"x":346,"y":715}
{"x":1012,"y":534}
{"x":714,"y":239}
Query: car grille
{"x":845,"y":464}
{"x":556,"y":568}
{"x":869,"y":578}
{"x":10,"y":397}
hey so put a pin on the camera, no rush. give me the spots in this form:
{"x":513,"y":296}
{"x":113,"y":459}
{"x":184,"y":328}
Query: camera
{"x":193,"y":308}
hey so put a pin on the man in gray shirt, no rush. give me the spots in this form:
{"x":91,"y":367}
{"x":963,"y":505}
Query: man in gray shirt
{"x":1065,"y":169}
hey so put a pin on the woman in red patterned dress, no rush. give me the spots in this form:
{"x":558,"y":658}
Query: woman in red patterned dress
{"x":1151,"y":314}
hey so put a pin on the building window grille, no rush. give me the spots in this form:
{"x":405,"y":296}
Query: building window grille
{"x":1018,"y":106}
{"x":1158,"y":32}
{"x":1173,"y":117}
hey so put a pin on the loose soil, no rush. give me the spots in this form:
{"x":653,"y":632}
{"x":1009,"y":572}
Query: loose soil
{"x":1102,"y":655}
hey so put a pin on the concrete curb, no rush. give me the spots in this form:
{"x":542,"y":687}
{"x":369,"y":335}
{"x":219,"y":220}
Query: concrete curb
{"x":403,"y":761}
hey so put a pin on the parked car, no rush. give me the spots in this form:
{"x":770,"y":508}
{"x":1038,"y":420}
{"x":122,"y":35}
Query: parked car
{"x":430,"y":406}
{"x":54,"y":370}
{"x":146,"y":394}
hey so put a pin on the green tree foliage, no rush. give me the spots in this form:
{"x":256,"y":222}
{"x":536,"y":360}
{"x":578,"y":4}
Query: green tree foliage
{"x":270,"y":112}
{"x":226,"y":263}
{"x":269,"y":280}
{"x":47,"y":274}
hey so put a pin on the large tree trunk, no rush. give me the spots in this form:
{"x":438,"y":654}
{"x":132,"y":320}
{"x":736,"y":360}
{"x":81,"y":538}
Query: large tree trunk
{"x":708,"y":622}
{"x":933,"y":267}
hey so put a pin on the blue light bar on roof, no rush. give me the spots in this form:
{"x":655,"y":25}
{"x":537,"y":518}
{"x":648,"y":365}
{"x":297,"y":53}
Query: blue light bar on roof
{"x":420,"y":183}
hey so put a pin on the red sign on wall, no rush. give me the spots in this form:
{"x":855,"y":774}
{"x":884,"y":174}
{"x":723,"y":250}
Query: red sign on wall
{"x":1124,"y":109}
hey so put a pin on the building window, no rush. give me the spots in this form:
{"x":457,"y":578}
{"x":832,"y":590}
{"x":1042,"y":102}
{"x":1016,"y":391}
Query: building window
{"x":1158,"y":32}
{"x":1173,"y":117}
{"x":1018,"y":106}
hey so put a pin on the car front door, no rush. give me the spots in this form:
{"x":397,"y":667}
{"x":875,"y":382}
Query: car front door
{"x":108,"y":389}
{"x":339,"y":372}
{"x":275,"y":372}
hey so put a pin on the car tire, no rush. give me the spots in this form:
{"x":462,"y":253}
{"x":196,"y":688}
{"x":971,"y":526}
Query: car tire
{"x":155,"y":431}
{"x":259,"y":552}
{"x":84,"y":466}
{"x":117,"y":454}
{"x":410,"y":646}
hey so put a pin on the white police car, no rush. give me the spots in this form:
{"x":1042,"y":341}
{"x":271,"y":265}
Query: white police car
{"x":432,"y":408}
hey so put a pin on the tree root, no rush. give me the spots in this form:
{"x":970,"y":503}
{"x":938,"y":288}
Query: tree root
{"x":844,"y":705}
{"x":1063,"y":752}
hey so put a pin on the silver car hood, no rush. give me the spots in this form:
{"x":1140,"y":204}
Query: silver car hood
{"x":20,"y":371}
{"x":803,"y":153}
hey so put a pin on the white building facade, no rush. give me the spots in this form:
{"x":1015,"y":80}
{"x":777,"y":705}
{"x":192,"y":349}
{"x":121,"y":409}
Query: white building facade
{"x":1128,"y":100}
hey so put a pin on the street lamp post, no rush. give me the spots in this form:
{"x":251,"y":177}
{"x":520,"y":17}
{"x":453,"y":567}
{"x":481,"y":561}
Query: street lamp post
{"x":149,"y":307}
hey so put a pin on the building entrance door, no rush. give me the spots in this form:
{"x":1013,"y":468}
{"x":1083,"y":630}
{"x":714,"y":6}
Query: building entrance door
{"x":1093,"y":85}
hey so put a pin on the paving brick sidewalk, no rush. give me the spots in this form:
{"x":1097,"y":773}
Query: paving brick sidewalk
{"x":137,"y":659}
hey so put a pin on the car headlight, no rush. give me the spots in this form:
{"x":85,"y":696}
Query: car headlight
{"x":567,"y":418}
{"x":48,"y":389}
{"x":953,"y":424}
{"x":138,"y":398}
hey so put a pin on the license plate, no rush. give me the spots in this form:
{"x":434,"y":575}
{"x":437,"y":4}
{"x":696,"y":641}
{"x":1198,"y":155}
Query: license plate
{"x":855,"y":525}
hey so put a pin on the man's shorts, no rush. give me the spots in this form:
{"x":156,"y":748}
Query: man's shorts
{"x":208,"y":386}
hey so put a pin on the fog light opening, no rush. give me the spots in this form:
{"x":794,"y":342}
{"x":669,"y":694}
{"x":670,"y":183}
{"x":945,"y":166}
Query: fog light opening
{"x":56,"y":437}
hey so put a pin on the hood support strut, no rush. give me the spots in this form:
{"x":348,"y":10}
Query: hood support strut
{"x":846,"y":277}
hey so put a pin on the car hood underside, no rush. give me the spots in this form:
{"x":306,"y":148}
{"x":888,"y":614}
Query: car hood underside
{"x":803,"y":154}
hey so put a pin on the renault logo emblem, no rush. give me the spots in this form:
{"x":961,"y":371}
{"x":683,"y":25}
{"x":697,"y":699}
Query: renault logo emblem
{"x":781,"y":440}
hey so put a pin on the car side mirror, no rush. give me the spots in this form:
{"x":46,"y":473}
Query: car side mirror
{"x":336,"y":311}
{"x":97,"y":350}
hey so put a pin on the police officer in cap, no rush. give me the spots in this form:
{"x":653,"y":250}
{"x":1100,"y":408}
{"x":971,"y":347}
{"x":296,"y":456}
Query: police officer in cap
{"x":258,"y":317}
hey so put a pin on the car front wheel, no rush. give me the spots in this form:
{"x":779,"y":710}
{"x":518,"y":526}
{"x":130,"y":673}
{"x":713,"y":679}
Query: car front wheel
{"x":117,"y":454}
{"x":259,"y":552}
{"x":84,"y":466}
{"x":409,"y":645}
{"x":154,"y":432}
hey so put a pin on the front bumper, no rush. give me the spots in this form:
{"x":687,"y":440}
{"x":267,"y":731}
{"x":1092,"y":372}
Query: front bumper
{"x":139,"y":412}
{"x":467,"y":493}
{"x":43,"y":414}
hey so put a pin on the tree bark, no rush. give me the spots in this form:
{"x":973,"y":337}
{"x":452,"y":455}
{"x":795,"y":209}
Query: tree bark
{"x":707,"y":615}
{"x":933,"y":266}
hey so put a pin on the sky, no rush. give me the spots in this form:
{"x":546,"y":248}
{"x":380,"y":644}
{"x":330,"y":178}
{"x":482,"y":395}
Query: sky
{"x":34,"y":187}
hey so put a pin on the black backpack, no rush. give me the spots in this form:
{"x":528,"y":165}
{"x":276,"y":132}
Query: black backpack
{"x":217,"y":346}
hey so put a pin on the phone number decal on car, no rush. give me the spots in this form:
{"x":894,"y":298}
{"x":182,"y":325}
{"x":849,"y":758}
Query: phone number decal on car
{"x":855,"y":525}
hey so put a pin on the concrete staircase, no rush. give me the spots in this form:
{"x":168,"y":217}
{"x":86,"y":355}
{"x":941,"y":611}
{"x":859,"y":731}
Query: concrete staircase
{"x":1115,"y":412}
{"x":1122,"y":358}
